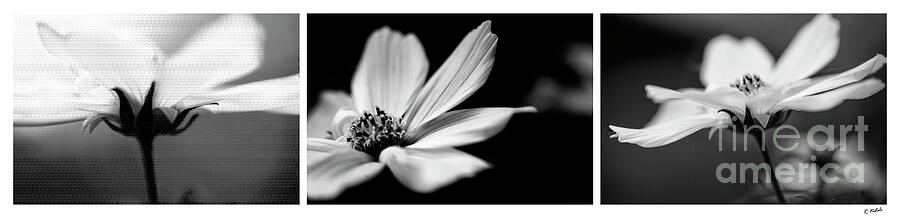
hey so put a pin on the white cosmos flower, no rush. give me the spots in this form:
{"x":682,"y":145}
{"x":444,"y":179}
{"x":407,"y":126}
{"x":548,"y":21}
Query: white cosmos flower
{"x":745,"y":87}
{"x":393,"y":120}
{"x":120,"y":77}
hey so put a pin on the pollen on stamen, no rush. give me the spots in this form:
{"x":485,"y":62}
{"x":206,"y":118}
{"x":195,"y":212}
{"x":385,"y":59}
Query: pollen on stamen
{"x":749,"y":84}
{"x":371,"y":133}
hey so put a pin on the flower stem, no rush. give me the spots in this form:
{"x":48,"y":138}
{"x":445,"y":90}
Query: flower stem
{"x":757,"y":134}
{"x":149,"y":173}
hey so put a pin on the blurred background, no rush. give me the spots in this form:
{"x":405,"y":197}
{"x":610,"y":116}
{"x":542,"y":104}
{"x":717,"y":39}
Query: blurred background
{"x":223,"y":158}
{"x":541,"y":60}
{"x":667,"y":50}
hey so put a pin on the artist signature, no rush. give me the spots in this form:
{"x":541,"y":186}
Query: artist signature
{"x":872,"y":210}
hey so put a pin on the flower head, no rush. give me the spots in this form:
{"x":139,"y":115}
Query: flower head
{"x":121,"y":78}
{"x":395,"y":118}
{"x":745,"y":87}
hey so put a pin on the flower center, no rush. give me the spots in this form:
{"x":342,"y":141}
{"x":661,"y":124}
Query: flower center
{"x":749,"y":84}
{"x":148,"y":122}
{"x":372,"y":133}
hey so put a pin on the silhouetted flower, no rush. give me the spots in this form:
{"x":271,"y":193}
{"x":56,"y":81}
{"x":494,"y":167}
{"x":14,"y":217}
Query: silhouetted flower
{"x":120,"y":77}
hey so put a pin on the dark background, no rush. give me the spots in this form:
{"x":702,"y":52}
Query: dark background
{"x":541,"y":158}
{"x":249,"y":157}
{"x":666,"y":50}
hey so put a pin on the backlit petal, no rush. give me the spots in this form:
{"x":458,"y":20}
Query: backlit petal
{"x":50,"y":103}
{"x":116,"y":58}
{"x":279,"y":95}
{"x":227,"y":49}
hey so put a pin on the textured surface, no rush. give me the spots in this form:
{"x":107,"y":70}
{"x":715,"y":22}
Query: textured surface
{"x":247,"y":157}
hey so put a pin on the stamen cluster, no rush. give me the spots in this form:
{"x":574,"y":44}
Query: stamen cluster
{"x":749,"y":84}
{"x":372,"y":133}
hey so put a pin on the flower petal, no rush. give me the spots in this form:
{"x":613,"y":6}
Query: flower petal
{"x":119,"y":59}
{"x":340,"y":122}
{"x":666,"y":132}
{"x":760,"y":104}
{"x":850,"y":76}
{"x":677,"y":108}
{"x":426,"y":170}
{"x":830,"y":99}
{"x":341,"y":169}
{"x":318,"y":149}
{"x":319,"y":120}
{"x":51,"y":103}
{"x":46,"y":115}
{"x":462,"y":127}
{"x":718,"y":99}
{"x":90,"y":123}
{"x":726,"y":59}
{"x":763,"y":105}
{"x":810,"y":50}
{"x":392,"y":69}
{"x":280,"y":95}
{"x":200,"y":111}
{"x":459,"y":77}
{"x":227,"y":49}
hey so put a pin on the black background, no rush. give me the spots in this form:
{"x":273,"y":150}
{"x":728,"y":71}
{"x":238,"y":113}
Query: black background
{"x":539,"y":158}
